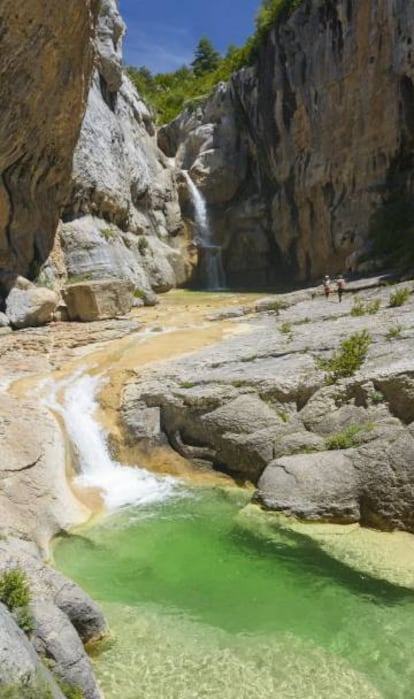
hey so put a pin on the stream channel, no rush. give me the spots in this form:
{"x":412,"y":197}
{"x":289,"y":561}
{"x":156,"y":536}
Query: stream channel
{"x":202,"y":602}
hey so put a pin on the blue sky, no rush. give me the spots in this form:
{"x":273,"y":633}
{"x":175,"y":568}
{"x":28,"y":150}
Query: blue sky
{"x":162,"y":34}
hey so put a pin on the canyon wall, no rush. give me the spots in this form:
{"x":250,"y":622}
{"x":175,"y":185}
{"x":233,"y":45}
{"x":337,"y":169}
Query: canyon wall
{"x":44,"y":81}
{"x":122,"y":218}
{"x":296,"y":153}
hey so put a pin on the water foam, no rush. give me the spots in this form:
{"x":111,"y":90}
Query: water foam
{"x":120,"y":485}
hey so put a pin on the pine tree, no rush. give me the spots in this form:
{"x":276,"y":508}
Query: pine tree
{"x":206,"y":57}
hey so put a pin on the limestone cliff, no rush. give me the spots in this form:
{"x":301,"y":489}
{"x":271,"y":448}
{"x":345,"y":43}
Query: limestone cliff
{"x":44,"y":81}
{"x":296,"y":153}
{"x":122,"y":219}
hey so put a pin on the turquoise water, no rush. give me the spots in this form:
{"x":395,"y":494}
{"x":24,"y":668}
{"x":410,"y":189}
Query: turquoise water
{"x":202,"y":606}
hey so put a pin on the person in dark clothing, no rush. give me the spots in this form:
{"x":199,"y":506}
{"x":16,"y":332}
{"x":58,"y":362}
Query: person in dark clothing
{"x":340,"y":287}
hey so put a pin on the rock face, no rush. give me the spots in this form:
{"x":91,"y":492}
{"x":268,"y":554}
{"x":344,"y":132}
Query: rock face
{"x":122,"y":219}
{"x":20,"y":666}
{"x":44,"y":82}
{"x":63,"y":616}
{"x":296,"y":153}
{"x":256,"y":406}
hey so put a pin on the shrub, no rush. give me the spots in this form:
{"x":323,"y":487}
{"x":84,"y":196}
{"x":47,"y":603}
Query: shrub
{"x":285,"y":328}
{"x":108,"y":233}
{"x":143,"y":245}
{"x":394,"y":332}
{"x":37,"y":690}
{"x":348,"y":359}
{"x":139,"y":294}
{"x":345,"y":439}
{"x":399,"y":297}
{"x":14,"y":589}
{"x":377,"y":397}
{"x":360,"y":309}
{"x":24,"y":619}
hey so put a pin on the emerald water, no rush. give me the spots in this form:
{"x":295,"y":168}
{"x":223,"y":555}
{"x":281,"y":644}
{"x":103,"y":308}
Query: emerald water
{"x":201,"y":604}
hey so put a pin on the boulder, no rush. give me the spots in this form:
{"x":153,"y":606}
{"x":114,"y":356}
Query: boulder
{"x":31,"y":306}
{"x":97,"y":300}
{"x":55,"y":638}
{"x":323,"y":486}
{"x":20,"y":666}
{"x":47,"y":584}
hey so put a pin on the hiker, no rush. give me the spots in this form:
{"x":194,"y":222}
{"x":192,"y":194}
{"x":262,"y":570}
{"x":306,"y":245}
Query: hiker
{"x":326,"y":285}
{"x":340,"y":286}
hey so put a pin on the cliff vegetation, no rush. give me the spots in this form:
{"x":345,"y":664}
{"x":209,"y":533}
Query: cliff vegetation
{"x":169,"y":93}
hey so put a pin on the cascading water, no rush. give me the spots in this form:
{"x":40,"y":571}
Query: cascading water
{"x":211,"y":260}
{"x":120,"y":485}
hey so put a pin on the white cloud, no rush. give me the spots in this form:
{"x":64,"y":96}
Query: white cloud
{"x":160,"y":47}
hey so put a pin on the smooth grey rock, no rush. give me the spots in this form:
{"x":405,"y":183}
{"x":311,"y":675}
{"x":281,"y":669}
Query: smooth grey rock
{"x":19,"y":663}
{"x":30,"y":307}
{"x":298,"y":442}
{"x":55,"y":638}
{"x":244,"y":414}
{"x":48,"y":584}
{"x":323,"y":486}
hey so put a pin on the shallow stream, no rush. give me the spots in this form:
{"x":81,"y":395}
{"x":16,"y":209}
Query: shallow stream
{"x":202,"y":605}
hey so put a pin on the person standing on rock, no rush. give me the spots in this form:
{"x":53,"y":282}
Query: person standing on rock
{"x":326,"y":286}
{"x":340,"y":286}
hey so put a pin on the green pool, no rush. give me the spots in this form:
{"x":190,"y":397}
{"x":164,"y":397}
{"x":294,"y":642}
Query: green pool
{"x":201,"y":606}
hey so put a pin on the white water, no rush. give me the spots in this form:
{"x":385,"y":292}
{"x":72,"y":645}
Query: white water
{"x":120,"y":485}
{"x":211,"y":255}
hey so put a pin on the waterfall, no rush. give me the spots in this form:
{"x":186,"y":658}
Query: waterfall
{"x":120,"y":485}
{"x":211,"y":260}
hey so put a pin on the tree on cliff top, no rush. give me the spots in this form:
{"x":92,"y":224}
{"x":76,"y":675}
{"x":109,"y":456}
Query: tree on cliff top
{"x":206,"y":58}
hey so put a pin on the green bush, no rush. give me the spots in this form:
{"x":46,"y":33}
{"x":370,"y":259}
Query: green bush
{"x":139,"y":294}
{"x":285,"y":328}
{"x":108,"y":233}
{"x":347,"y":438}
{"x":14,"y":589}
{"x":399,"y":297}
{"x":348,"y":359}
{"x":143,"y":245}
{"x":394,"y":332}
{"x":378,"y":397}
{"x":361,"y":309}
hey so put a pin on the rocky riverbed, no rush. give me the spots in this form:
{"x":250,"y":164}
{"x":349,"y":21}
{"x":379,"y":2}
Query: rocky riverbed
{"x":209,"y":387}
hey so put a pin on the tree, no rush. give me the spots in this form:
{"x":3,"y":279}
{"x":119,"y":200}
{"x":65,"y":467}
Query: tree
{"x":206,"y":57}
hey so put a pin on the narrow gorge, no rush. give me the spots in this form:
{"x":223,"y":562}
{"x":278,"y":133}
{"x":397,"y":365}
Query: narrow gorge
{"x":206,"y":462}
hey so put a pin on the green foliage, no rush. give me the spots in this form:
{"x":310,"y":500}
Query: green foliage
{"x":14,"y":588}
{"x":399,"y":297}
{"x":394,"y":332}
{"x":83,"y":277}
{"x":277,"y":306}
{"x":361,"y":309}
{"x":187,"y":384}
{"x":69,"y":690}
{"x":377,"y":397}
{"x":348,"y":359}
{"x":283,"y":416}
{"x":206,"y":58}
{"x":285,"y":328}
{"x":139,"y":294}
{"x":168,"y":94}
{"x":345,"y":439}
{"x":24,"y":619}
{"x":143,"y":245}
{"x":108,"y":233}
{"x":36,"y":690}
